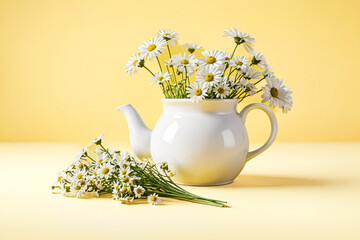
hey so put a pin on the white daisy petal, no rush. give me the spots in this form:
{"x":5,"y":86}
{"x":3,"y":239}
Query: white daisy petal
{"x":277,"y":94}
{"x":196,"y":92}
{"x":169,"y":36}
{"x":152,"y":48}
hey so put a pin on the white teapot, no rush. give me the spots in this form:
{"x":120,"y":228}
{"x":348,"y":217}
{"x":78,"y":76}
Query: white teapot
{"x":206,"y":143}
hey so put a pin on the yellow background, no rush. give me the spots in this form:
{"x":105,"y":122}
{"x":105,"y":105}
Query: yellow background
{"x":62,"y":63}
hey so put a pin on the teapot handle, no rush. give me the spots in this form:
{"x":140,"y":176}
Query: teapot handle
{"x":274,"y":127}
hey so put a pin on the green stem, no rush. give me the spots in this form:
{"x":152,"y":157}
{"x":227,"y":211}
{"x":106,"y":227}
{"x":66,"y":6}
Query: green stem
{"x":159,"y":63}
{"x":234,"y":50}
{"x":168,"y":47}
{"x":259,"y":80}
{"x":171,"y":90}
{"x":189,"y":198}
{"x":231,"y":71}
{"x":90,"y":157}
{"x":163,"y":89}
{"x":105,"y":150}
{"x":149,"y":70}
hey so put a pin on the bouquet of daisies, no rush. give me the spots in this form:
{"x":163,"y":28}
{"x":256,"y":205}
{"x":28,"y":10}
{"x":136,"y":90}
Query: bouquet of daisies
{"x":102,"y":171}
{"x":216,"y":74}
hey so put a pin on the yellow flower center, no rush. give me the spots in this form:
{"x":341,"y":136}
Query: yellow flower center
{"x":184,"y":61}
{"x":117,"y":188}
{"x":123,"y":172}
{"x":138,"y":190}
{"x":221,"y":90}
{"x":77,"y":188}
{"x":80,"y":165}
{"x":100,"y":161}
{"x":167,"y":34}
{"x":198,"y":92}
{"x":274,"y":92}
{"x":209,"y":77}
{"x":134,"y":63}
{"x":124,"y":189}
{"x":153,"y":198}
{"x":105,"y":170}
{"x":79,"y":176}
{"x":239,"y":63}
{"x":59,"y":178}
{"x":125,"y":179}
{"x":94,"y":173}
{"x":151,"y":47}
{"x":210,"y":60}
{"x":160,"y":78}
{"x":227,"y":58}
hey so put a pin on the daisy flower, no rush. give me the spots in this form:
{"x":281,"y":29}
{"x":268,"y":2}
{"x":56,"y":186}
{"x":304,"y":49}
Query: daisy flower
{"x":164,"y":166}
{"x":79,"y":164}
{"x":259,"y":60}
{"x":124,"y":164}
{"x":169,"y":36}
{"x":267,"y":72}
{"x":78,"y":190}
{"x":171,"y":172}
{"x":196,"y":91}
{"x":125,"y":189}
{"x":59,"y":178}
{"x":125,"y":180}
{"x":238,"y":62}
{"x":97,"y":140}
{"x":139,"y":191}
{"x":134,"y":180}
{"x":115,"y":196}
{"x":132,"y":65}
{"x":99,"y":153}
{"x":209,"y":76}
{"x":125,"y":172}
{"x":171,"y":62}
{"x":241,"y":38}
{"x":116,"y":188}
{"x":191,"y":47}
{"x":152,"y":48}
{"x":187,"y":61}
{"x":277,"y":94}
{"x":227,"y":57}
{"x":125,"y":156}
{"x":212,"y":58}
{"x":126,"y":199}
{"x":248,"y":86}
{"x":79,"y":175}
{"x":221,"y":90}
{"x":81,"y":154}
{"x":248,"y":72}
{"x":154,"y":199}
{"x":231,"y":82}
{"x":99,"y":162}
{"x":105,"y":170}
{"x":161,"y":77}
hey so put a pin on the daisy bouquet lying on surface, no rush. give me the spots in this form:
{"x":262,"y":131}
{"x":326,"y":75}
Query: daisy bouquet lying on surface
{"x":102,"y":171}
{"x":216,"y":74}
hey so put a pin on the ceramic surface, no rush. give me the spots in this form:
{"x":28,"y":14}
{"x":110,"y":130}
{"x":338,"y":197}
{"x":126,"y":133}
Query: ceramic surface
{"x":206,"y":143}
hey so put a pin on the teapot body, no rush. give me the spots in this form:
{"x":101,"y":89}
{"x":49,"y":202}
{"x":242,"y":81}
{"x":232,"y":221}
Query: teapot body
{"x":206,"y":143}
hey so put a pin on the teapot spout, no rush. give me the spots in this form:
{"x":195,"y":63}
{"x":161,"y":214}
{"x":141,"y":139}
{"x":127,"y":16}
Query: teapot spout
{"x":140,"y":134}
